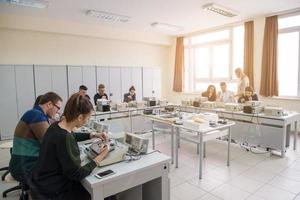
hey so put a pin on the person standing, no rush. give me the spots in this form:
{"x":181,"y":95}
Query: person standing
{"x":243,"y":81}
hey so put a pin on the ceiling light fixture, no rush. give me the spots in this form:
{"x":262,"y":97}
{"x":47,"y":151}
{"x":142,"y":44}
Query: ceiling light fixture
{"x":166,"y":27}
{"x":28,"y":3}
{"x":105,"y":16}
{"x":220,"y":10}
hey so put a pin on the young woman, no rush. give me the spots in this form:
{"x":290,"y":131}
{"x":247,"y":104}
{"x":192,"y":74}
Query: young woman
{"x":249,"y":95}
{"x":130,"y":96}
{"x":58,"y":172}
{"x":210,"y":93}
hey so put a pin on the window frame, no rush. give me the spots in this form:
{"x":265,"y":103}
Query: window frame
{"x":193,"y":80}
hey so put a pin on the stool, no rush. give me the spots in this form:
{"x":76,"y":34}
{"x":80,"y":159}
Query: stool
{"x":23,"y":187}
{"x":6,"y":145}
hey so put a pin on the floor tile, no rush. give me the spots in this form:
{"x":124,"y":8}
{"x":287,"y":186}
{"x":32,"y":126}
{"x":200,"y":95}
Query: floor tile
{"x":187,"y":191}
{"x":206,"y":183}
{"x":286,"y":184}
{"x":229,"y":192}
{"x":246,"y":183}
{"x":269,"y":192}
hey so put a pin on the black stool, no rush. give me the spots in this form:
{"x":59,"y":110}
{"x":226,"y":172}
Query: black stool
{"x":24,"y":191}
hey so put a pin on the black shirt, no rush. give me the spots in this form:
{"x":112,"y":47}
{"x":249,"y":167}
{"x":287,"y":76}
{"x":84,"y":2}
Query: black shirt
{"x":126,"y":99}
{"x":98,"y":96}
{"x":244,"y":98}
{"x":59,"y":162}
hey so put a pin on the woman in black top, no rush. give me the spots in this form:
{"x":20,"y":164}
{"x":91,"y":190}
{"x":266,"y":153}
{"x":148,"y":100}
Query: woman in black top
{"x":210,"y":93}
{"x":248,"y":95}
{"x":58,"y":172}
{"x":130,"y":96}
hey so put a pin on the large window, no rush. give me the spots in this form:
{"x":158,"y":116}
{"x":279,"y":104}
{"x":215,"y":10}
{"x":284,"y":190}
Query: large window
{"x":213,"y":57}
{"x":289,"y":55}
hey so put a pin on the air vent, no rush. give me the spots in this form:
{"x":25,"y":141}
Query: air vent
{"x":28,"y":3}
{"x":166,"y":27}
{"x":109,"y":17}
{"x":220,"y":10}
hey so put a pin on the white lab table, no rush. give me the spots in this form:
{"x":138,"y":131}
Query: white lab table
{"x":200,"y":137}
{"x":258,"y":129}
{"x":149,"y":175}
{"x":165,"y":121}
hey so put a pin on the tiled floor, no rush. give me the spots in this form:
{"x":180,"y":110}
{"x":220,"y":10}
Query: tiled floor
{"x":250,"y":176}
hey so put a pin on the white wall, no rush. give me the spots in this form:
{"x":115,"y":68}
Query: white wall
{"x":49,"y":42}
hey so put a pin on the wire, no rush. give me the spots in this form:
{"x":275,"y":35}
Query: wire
{"x":246,"y":146}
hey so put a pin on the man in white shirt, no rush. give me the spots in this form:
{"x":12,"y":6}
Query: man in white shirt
{"x":243,"y":81}
{"x":225,"y":95}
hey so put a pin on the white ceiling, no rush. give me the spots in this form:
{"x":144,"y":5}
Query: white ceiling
{"x":185,"y":13}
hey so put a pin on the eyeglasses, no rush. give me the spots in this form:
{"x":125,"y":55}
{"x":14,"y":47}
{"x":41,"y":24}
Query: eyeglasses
{"x":56,"y":106}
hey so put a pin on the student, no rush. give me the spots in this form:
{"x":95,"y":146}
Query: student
{"x":37,"y":101}
{"x":58,"y":172}
{"x":210,"y":93}
{"x":243,"y":81}
{"x":248,"y":96}
{"x":29,"y":133}
{"x":225,"y":95}
{"x":130,"y":96}
{"x":101,"y":93}
{"x":83,"y":91}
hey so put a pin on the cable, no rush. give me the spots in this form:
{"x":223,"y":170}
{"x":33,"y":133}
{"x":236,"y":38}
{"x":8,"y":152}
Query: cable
{"x":246,"y":146}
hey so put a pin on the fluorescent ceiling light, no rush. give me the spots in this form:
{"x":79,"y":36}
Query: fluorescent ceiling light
{"x":220,"y":10}
{"x":105,"y":16}
{"x":28,"y":3}
{"x":166,"y":27}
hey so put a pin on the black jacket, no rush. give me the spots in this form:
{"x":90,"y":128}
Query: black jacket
{"x":59,"y":162}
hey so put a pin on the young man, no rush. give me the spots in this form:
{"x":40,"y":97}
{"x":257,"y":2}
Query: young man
{"x":101,"y":93}
{"x":83,"y":91}
{"x":29,"y":133}
{"x":225,"y":95}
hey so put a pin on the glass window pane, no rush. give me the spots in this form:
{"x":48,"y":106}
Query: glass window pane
{"x":288,"y":52}
{"x":208,"y":37}
{"x":186,"y":41}
{"x":220,"y":61}
{"x":201,"y":87}
{"x":186,"y":69}
{"x":287,"y":22}
{"x":202,"y":62}
{"x":238,"y":49}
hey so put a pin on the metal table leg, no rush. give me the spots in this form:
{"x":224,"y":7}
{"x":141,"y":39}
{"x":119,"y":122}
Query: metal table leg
{"x":198,"y":136}
{"x":228,"y":148}
{"x":200,"y":156}
{"x":295,"y":136}
{"x":153,"y":136}
{"x":176,"y":147}
{"x":204,"y":149}
{"x":172,"y":144}
{"x":283,"y":146}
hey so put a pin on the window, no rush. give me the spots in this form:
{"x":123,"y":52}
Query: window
{"x":212,"y":57}
{"x":288,"y":56}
